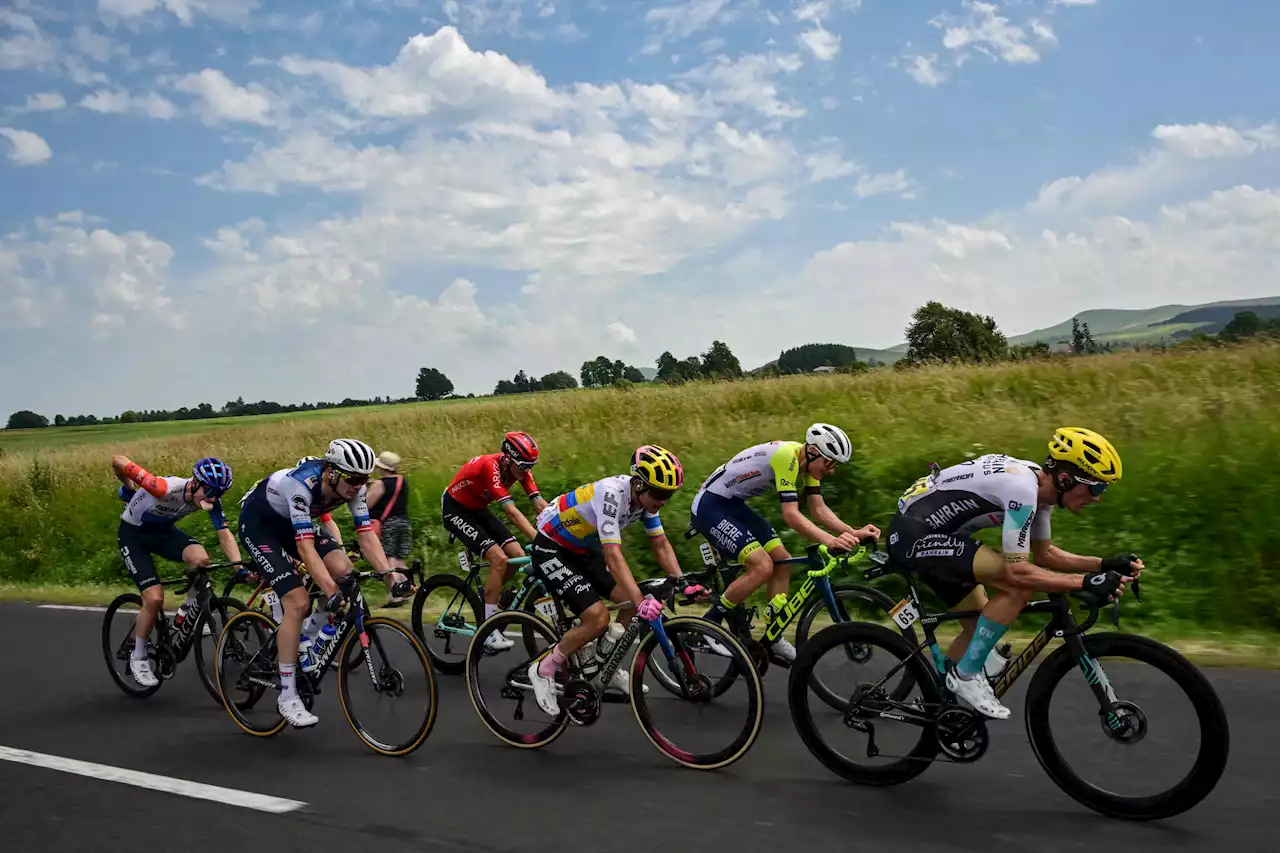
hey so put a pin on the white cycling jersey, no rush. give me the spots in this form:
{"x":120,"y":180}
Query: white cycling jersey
{"x":991,"y":491}
{"x":593,"y":515}
{"x":147,"y":511}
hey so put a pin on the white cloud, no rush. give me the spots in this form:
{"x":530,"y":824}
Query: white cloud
{"x":747,"y":81}
{"x":824,"y":45}
{"x":924,"y":70}
{"x":45,"y":102}
{"x":119,"y":101}
{"x":897,"y":183}
{"x":26,"y":148}
{"x":986,"y":31}
{"x":684,"y":20}
{"x":1074,"y":2}
{"x":26,"y":46}
{"x":622,"y":333}
{"x":828,"y":165}
{"x":1183,"y":153}
{"x":185,"y":11}
{"x":222,"y":100}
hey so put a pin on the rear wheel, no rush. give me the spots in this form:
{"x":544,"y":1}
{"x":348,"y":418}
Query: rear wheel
{"x":446,"y":611}
{"x":215,"y":617}
{"x":117,"y":644}
{"x":498,"y":683}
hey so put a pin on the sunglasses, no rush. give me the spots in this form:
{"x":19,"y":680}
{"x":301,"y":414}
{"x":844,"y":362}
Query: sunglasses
{"x":659,"y":494}
{"x":354,"y":479}
{"x":209,"y":491}
{"x":1095,"y":488}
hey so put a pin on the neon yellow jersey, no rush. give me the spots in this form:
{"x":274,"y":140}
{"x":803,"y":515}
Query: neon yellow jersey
{"x":772,"y":465}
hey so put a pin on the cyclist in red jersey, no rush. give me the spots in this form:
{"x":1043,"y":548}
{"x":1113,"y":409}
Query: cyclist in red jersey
{"x":464,"y":509}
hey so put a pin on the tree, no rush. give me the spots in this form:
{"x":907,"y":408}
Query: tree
{"x":432,"y":384}
{"x":601,"y":372}
{"x":720,"y":361}
{"x":1021,"y":352}
{"x":633,"y":374}
{"x":558,"y":381}
{"x":505,"y":386}
{"x":667,"y":367}
{"x":129,"y":416}
{"x":1081,"y":338}
{"x":941,"y":333}
{"x":59,"y":420}
{"x":1245,"y":324}
{"x":804,"y":359}
{"x":27,"y":420}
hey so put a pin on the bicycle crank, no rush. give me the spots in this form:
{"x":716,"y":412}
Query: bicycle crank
{"x":961,"y":734}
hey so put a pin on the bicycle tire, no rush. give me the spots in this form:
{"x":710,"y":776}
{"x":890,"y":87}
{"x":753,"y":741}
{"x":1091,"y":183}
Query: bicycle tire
{"x":129,"y":687}
{"x":755,"y":703}
{"x":265,"y":628}
{"x":818,"y":605}
{"x":755,"y":653}
{"x":470,"y":597}
{"x":222,"y":606}
{"x":372,"y":625}
{"x":527,"y":604}
{"x":475,"y":653}
{"x":1211,"y":760}
{"x":798,"y":690}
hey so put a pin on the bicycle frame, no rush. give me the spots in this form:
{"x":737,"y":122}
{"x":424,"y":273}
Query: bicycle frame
{"x":472,"y":579}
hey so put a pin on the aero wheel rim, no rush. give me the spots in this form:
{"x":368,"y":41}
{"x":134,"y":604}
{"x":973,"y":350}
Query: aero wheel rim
{"x":498,"y":683}
{"x":387,"y":688}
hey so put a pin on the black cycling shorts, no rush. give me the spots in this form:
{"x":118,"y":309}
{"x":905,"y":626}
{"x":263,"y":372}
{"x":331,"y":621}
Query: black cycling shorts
{"x":137,"y":544}
{"x":576,"y":580}
{"x":269,"y":539}
{"x":478,"y":529}
{"x":943,"y":561}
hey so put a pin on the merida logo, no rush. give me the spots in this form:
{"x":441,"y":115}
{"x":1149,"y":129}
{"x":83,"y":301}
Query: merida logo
{"x":950,"y":511}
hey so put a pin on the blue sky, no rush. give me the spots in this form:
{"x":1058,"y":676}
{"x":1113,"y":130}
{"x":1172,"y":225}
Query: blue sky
{"x":205,"y":199}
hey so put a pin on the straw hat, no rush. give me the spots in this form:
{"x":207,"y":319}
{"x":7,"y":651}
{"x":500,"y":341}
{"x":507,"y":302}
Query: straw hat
{"x":388,"y":461}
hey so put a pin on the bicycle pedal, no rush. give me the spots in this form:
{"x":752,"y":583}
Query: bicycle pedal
{"x":780,"y":661}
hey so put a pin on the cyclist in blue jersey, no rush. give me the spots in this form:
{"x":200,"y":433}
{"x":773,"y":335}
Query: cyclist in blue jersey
{"x":149,"y":526}
{"x":277,"y":519}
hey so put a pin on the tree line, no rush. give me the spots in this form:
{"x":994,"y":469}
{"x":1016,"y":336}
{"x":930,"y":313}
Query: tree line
{"x":937,"y":333}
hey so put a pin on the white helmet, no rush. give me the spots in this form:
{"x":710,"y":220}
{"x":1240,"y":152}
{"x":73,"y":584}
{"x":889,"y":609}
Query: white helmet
{"x":830,"y":441}
{"x":350,"y":455}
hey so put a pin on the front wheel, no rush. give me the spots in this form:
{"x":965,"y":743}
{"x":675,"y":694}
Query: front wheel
{"x":446,"y":611}
{"x":248,"y":674}
{"x":1124,"y":723}
{"x":398,"y":674}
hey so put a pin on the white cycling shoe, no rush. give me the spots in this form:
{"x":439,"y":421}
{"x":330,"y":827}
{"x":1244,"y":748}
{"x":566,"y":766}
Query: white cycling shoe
{"x":141,"y":672}
{"x":296,"y":713}
{"x":621,"y":682}
{"x":544,"y":691}
{"x":782,"y":648}
{"x":978,"y":695}
{"x":498,"y":642}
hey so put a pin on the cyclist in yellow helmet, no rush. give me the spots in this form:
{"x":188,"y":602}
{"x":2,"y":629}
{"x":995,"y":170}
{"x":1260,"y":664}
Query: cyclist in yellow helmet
{"x":937,"y":516}
{"x":577,"y":554}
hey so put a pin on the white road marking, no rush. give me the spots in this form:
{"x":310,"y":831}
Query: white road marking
{"x":72,"y":607}
{"x":182,"y":787}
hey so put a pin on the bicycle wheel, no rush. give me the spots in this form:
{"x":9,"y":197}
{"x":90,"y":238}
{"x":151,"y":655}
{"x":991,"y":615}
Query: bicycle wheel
{"x":460,"y":610}
{"x":857,"y":603}
{"x":389,"y":668}
{"x":870,"y":695}
{"x":247,"y":672}
{"x":215,"y":617}
{"x":697,"y":689}
{"x":528,"y":603}
{"x":699,"y":649}
{"x":506,"y":691}
{"x":1128,"y":725}
{"x":117,"y":644}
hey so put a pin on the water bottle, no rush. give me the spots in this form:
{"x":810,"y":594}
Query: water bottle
{"x":997,"y":661}
{"x":609,"y":642}
{"x":328,"y":633}
{"x":180,"y":615}
{"x":776,"y":604}
{"x":587,"y":660}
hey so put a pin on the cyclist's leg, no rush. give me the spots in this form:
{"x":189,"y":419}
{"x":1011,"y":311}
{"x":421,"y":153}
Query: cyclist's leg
{"x":137,"y":559}
{"x":562,"y":572}
{"x":735,"y":529}
{"x":498,"y":555}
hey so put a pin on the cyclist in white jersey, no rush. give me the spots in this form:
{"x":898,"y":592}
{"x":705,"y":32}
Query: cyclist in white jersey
{"x":148,"y":526}
{"x":742,"y":535}
{"x":936,"y":517}
{"x":277,"y":517}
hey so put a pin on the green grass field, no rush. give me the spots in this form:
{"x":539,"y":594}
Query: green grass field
{"x":1199,"y":433}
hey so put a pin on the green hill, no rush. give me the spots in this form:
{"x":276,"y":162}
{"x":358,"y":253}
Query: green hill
{"x":1143,"y":325}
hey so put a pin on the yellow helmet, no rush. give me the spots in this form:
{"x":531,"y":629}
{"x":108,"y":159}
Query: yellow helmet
{"x":657,"y":467}
{"x":1088,"y":451}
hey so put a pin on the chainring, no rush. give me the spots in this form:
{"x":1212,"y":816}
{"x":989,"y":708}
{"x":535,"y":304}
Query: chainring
{"x":166,"y":662}
{"x":961,"y":734}
{"x":581,"y":702}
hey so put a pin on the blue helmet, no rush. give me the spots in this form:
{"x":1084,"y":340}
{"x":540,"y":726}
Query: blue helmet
{"x":213,"y":474}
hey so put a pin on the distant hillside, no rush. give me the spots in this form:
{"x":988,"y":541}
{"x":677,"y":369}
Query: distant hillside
{"x":883,"y":355}
{"x":1151,"y":324}
{"x":650,"y":373}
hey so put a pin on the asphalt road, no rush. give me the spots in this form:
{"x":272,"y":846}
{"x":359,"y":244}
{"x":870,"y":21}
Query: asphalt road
{"x":593,"y":789}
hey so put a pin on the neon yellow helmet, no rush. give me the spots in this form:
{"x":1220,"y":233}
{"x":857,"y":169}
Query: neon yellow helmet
{"x":657,"y":468}
{"x":1088,"y":451}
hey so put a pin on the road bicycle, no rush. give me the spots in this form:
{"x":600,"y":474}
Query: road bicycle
{"x":960,"y":735}
{"x":247,"y":669}
{"x":464,"y":609}
{"x":582,"y":690}
{"x":170,"y":641}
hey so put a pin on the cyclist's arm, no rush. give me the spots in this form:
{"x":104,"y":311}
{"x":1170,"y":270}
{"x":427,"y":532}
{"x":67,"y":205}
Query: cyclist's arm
{"x":1052,"y":557}
{"x":666,"y":556}
{"x":794,"y":518}
{"x":331,"y":527}
{"x":1015,"y":536}
{"x":824,"y":516}
{"x":127,"y":470}
{"x":226,"y":541}
{"x":517,"y":518}
{"x":531,"y":489}
{"x":370,"y":544}
{"x":621,"y":573}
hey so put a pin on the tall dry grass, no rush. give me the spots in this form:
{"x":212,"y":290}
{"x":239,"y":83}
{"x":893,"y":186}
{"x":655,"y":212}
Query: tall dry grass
{"x":1199,"y":433}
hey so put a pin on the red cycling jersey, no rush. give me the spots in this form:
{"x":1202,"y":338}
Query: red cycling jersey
{"x":480,"y":482}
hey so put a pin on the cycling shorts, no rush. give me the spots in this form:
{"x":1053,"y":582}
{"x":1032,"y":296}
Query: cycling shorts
{"x":137,"y":544}
{"x":478,"y":529}
{"x":270,"y":541}
{"x":943,"y":561}
{"x":576,"y":580}
{"x":735,"y":529}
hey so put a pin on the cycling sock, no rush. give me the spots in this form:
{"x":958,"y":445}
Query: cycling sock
{"x":139,"y":648}
{"x":551,"y":664}
{"x":489,"y":610}
{"x":719,"y":610}
{"x":985,"y":636}
{"x":288,"y":682}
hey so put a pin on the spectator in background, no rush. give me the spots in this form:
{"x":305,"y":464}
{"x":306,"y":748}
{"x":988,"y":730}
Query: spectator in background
{"x":388,"y":499}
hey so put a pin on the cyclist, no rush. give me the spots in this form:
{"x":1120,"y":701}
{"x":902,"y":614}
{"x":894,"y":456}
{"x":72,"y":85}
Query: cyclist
{"x":578,"y":555}
{"x":149,"y":526}
{"x":936,"y":516}
{"x":721,"y":514}
{"x":277,"y":519}
{"x":464,"y":511}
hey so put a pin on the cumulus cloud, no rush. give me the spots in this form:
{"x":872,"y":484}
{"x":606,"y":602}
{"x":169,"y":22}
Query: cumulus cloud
{"x":26,"y":148}
{"x":824,"y":45}
{"x":45,"y":101}
{"x":119,"y":101}
{"x":222,"y":100}
{"x":23,"y":44}
{"x":186,"y":11}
